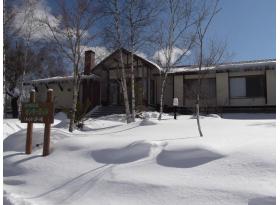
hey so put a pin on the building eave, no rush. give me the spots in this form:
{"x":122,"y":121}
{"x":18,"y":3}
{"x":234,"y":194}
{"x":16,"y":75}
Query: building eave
{"x":58,"y":79}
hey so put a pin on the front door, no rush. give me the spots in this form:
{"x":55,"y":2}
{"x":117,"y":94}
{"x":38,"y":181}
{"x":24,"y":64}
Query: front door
{"x":114,"y":93}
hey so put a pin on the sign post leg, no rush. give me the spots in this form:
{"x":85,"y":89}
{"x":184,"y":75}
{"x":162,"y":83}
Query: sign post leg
{"x":47,"y":132}
{"x":28,"y":145}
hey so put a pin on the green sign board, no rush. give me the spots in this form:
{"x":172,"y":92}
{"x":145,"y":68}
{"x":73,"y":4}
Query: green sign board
{"x":37,"y":113}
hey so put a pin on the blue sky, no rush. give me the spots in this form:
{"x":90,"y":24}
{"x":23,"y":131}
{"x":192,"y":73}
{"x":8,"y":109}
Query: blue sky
{"x":248,"y":26}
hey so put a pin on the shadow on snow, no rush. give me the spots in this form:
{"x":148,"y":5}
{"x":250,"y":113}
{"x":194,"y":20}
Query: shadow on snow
{"x":187,"y":158}
{"x":269,"y":200}
{"x":130,"y":153}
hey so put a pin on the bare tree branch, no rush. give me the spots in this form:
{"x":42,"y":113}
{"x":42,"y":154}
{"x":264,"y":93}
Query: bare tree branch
{"x":71,"y":35}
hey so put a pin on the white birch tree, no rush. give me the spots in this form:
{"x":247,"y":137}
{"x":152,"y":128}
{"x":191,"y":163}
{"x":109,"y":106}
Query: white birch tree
{"x":114,"y":33}
{"x":25,"y":25}
{"x":139,"y":15}
{"x":70,"y":30}
{"x":206,"y":16}
{"x":176,"y":38}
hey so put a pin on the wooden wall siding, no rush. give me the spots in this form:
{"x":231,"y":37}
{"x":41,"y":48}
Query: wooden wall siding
{"x":179,"y":89}
{"x":91,"y":92}
{"x":271,"y":87}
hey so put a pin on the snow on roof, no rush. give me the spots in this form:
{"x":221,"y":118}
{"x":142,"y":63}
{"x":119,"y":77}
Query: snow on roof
{"x":243,"y":65}
{"x":149,"y":61}
{"x":60,"y":78}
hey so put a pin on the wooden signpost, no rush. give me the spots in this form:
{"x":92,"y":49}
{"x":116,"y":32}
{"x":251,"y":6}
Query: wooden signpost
{"x":33,"y":112}
{"x":47,"y":132}
{"x":28,"y":145}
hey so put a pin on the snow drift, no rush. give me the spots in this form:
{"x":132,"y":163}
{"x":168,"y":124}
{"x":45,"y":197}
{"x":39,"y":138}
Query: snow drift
{"x":146,"y":162}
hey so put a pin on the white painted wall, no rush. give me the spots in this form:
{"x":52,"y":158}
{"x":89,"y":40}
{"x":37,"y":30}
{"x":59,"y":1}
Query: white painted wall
{"x":222,"y":89}
{"x":62,"y":99}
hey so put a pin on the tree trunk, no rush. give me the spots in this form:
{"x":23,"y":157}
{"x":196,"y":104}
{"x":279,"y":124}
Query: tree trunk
{"x":197,"y":105}
{"x":21,"y":93}
{"x":162,"y":96}
{"x":124,"y":87}
{"x":22,"y":79}
{"x":132,"y":89}
{"x":123,"y":77}
{"x":197,"y":116}
{"x":74,"y":105}
{"x":199,"y":87}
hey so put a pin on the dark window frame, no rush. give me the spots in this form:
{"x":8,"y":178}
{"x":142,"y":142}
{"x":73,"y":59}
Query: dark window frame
{"x":202,"y":94}
{"x":250,"y":93}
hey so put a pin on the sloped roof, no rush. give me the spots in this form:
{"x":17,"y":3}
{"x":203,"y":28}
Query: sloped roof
{"x":242,"y":65}
{"x":59,"y":78}
{"x":145,"y":60}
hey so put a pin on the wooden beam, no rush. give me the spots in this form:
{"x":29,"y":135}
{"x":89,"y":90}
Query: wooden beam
{"x":108,"y":87}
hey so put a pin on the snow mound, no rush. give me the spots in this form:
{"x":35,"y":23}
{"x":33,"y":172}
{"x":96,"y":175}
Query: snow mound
{"x":127,"y":154}
{"x":146,"y":122}
{"x":146,"y":162}
{"x":114,"y":117}
{"x":16,"y":141}
{"x":12,"y":199}
{"x":61,"y":116}
{"x":148,"y":115}
{"x":187,"y":158}
{"x":11,"y":126}
{"x":64,"y":121}
{"x":99,"y":125}
{"x":151,"y":115}
{"x":214,"y":115}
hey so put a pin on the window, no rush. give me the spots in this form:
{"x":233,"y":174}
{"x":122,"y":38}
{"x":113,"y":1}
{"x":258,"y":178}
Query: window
{"x":255,"y":86}
{"x":250,"y":86}
{"x":237,"y":87}
{"x":208,"y":88}
{"x":190,"y":88}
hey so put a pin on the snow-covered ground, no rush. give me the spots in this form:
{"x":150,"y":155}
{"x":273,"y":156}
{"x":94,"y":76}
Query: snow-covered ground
{"x":146,"y":162}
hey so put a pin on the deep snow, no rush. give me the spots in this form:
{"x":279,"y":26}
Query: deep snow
{"x":146,"y":162}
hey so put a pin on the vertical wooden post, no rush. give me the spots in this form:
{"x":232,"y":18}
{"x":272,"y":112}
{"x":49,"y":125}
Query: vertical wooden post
{"x":175,"y":112}
{"x":28,"y":145}
{"x":47,"y":132}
